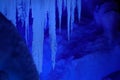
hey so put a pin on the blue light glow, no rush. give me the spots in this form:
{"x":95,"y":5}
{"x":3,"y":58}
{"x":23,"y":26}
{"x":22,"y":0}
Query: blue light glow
{"x":86,"y":48}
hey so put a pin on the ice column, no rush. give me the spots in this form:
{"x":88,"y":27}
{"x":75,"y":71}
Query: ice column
{"x":52,"y":29}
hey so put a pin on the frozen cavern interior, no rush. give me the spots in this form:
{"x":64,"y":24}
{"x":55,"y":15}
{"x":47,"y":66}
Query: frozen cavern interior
{"x":59,"y":40}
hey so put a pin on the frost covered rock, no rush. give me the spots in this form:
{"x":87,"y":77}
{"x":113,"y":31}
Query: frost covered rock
{"x":16,"y":62}
{"x":113,"y":76}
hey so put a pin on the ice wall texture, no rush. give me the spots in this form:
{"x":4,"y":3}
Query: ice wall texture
{"x":33,"y":17}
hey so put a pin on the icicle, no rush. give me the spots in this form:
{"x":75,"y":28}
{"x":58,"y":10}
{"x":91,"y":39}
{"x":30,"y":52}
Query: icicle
{"x":79,"y":9}
{"x":52,"y":30}
{"x":27,"y":7}
{"x":70,"y":11}
{"x":59,"y":4}
{"x":65,"y":3}
{"x":68,"y":19}
{"x":38,"y":32}
{"x":73,"y":4}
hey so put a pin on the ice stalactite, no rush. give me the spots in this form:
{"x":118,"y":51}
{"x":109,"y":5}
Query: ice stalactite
{"x":38,"y":32}
{"x":79,"y":9}
{"x":59,"y":5}
{"x":27,"y":6}
{"x":49,"y":48}
{"x":46,"y":66}
{"x":52,"y":30}
{"x":73,"y":4}
{"x":65,"y":3}
{"x":68,"y":18}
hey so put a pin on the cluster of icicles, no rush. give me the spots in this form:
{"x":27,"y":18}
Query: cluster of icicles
{"x":40,"y":8}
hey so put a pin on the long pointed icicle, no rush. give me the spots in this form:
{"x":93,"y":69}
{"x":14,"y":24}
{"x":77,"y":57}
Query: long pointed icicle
{"x":38,"y":32}
{"x":52,"y":29}
{"x":59,"y":4}
{"x":73,"y":4}
{"x":79,"y":9}
{"x":68,"y":19}
{"x":27,"y":5}
{"x":65,"y":3}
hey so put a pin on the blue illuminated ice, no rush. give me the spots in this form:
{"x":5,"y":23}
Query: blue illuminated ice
{"x":79,"y":9}
{"x":52,"y":30}
{"x":59,"y":4}
{"x":38,"y":33}
{"x":68,"y":18}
